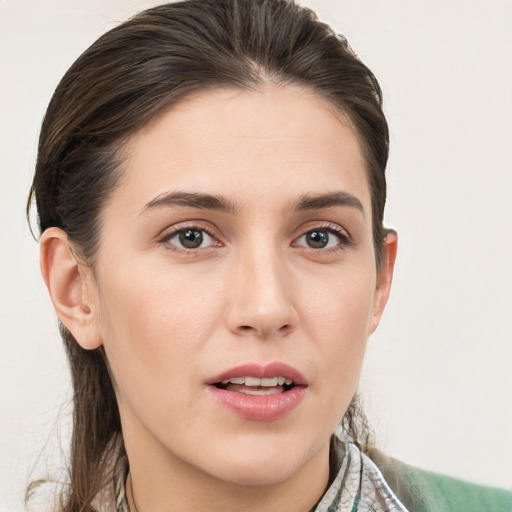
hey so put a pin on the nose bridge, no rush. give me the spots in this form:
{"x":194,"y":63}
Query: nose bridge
{"x":261,"y":299}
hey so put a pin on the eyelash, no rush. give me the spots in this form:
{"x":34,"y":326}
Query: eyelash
{"x":165,"y":240}
{"x":344,"y":238}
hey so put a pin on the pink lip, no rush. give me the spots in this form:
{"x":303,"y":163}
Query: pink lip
{"x":260,"y":407}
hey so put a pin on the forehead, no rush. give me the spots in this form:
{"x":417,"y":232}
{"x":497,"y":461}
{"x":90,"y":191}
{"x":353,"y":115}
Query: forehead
{"x":275,"y":139}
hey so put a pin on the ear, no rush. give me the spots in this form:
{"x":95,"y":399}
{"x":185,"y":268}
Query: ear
{"x":68,"y":282}
{"x":384,"y":278}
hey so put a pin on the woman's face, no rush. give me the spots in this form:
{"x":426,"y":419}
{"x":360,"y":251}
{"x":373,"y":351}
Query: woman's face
{"x":237,"y":244}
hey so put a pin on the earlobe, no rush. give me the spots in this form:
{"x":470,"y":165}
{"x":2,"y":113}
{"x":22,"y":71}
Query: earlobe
{"x":384,"y":278}
{"x":67,"y":282}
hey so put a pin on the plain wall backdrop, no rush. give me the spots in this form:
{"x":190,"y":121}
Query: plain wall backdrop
{"x":437,"y":381}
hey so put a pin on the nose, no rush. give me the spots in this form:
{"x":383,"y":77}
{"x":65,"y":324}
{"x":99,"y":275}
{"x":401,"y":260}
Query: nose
{"x":261,"y":296}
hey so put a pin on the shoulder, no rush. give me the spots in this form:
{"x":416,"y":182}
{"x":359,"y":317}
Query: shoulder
{"x":425,"y":491}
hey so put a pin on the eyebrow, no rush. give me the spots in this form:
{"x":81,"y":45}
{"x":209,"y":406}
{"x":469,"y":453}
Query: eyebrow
{"x":192,"y":200}
{"x":317,"y":202}
{"x":218,"y":203}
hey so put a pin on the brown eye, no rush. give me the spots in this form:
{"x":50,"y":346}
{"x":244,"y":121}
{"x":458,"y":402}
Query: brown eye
{"x":317,"y":239}
{"x":320,"y":239}
{"x":191,"y":239}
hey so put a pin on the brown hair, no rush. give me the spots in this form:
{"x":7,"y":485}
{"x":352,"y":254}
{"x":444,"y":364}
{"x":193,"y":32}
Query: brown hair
{"x":118,"y":85}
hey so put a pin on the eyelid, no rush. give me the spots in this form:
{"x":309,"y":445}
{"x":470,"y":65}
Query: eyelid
{"x":169,"y":232}
{"x":336,"y":229}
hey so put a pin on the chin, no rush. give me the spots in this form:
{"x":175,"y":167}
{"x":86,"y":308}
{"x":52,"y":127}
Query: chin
{"x":248,"y":474}
{"x":263,"y":464}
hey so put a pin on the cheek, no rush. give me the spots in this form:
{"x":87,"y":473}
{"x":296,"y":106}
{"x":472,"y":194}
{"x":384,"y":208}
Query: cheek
{"x":155,"y":322}
{"x":340,"y":309}
{"x":337,"y":319}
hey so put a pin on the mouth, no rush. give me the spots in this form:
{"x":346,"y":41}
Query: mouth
{"x":256,"y":386}
{"x":260,"y":393}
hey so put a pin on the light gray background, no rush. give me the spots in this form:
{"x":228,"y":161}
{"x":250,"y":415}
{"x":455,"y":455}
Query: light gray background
{"x":438,"y":377}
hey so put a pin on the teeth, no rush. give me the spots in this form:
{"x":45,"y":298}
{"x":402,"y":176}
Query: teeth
{"x":236,"y":380}
{"x":269,"y":391}
{"x":256,"y":382}
{"x":252,"y":381}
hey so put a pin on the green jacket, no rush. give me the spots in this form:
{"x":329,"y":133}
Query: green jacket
{"x":424,"y":491}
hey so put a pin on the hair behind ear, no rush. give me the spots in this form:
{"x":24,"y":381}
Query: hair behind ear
{"x":97,"y":439}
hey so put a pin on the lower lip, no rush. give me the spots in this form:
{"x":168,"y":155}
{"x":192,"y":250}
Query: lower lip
{"x":260,"y":407}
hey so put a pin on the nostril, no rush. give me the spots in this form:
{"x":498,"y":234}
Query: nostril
{"x":264,"y":330}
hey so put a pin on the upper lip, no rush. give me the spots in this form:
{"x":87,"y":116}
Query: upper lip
{"x":262,"y":371}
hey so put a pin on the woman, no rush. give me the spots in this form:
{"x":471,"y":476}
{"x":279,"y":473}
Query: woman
{"x":210,"y":189}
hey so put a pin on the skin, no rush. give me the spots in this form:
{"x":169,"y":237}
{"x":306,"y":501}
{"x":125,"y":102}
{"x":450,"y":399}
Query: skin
{"x":170,"y":318}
